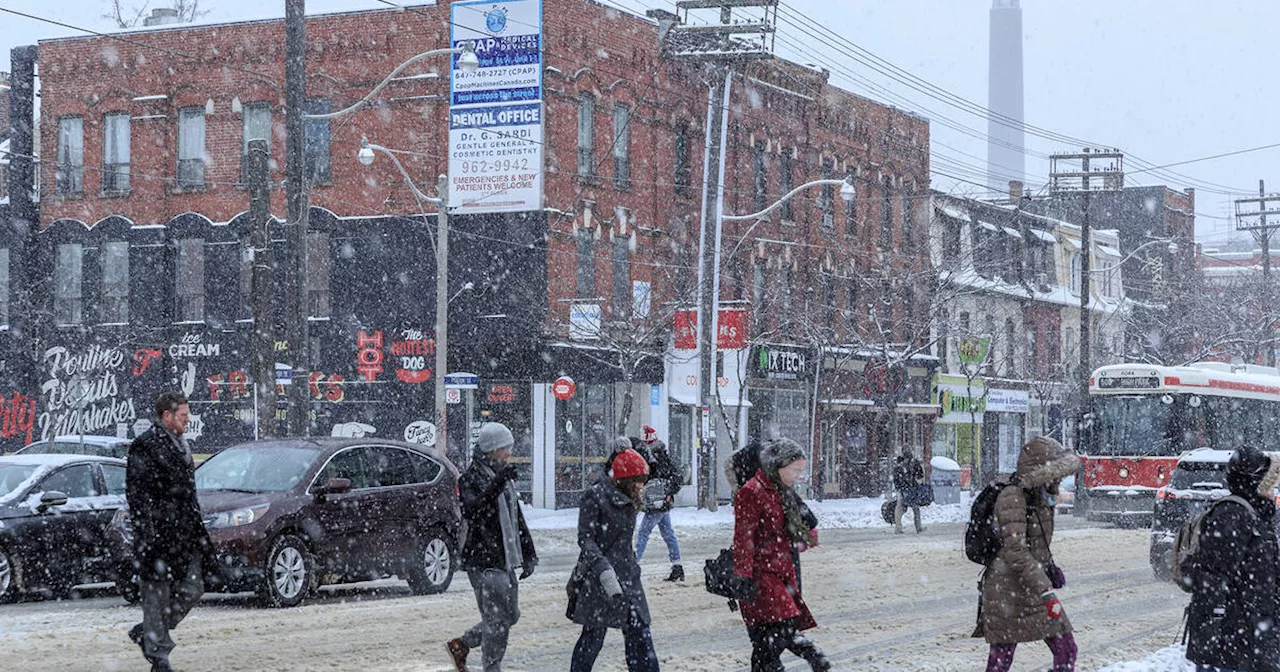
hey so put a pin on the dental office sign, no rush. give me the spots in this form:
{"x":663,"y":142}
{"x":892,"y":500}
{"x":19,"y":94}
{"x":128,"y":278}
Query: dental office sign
{"x":496,"y":112}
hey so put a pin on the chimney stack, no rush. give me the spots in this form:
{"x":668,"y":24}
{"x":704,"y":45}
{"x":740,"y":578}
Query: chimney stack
{"x":1015,"y":191}
{"x":161,"y":16}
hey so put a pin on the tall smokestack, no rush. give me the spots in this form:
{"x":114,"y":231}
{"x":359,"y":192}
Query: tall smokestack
{"x":1005,"y":160}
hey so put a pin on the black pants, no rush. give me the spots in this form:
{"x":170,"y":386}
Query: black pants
{"x":165,"y":602}
{"x":769,"y":640}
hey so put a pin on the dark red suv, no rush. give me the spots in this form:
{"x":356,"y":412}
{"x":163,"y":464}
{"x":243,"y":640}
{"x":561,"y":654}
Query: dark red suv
{"x":288,"y":515}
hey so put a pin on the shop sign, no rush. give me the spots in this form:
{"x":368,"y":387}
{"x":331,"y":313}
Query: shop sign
{"x":781,"y":362}
{"x":731,"y":329}
{"x":564,"y":388}
{"x":883,"y":382}
{"x":584,"y":321}
{"x":502,"y":394}
{"x":960,"y":404}
{"x":1008,"y":401}
{"x":974,"y":349}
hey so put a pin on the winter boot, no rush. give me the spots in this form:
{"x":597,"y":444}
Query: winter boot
{"x":161,"y":665}
{"x":677,"y":573}
{"x":458,"y":653}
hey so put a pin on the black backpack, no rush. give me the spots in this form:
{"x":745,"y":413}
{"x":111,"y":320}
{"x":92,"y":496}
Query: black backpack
{"x":982,"y":541}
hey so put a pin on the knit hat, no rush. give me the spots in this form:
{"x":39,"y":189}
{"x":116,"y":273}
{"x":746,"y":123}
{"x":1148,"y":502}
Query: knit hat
{"x":629,"y":464}
{"x":779,"y":454}
{"x":621,"y":443}
{"x":649,"y":435}
{"x":493,"y":436}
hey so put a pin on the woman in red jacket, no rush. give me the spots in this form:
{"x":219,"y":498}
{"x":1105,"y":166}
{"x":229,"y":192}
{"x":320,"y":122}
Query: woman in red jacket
{"x":768,"y":520}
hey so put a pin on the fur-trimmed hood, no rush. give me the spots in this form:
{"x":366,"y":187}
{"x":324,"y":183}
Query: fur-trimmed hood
{"x":1267,"y":486}
{"x":1044,"y":461}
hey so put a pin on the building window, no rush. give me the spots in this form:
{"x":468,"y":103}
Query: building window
{"x":950,"y":241}
{"x":586,"y":264}
{"x":191,"y":147}
{"x":784,"y":284}
{"x":760,"y":293}
{"x":827,"y":199}
{"x":4,"y":288}
{"x":828,"y":301}
{"x":115,"y":283}
{"x":317,"y":144}
{"x":70,"y":171}
{"x":989,"y":331}
{"x":683,"y":163}
{"x":1077,"y":271}
{"x":1010,"y":349}
{"x":190,"y":280}
{"x":257,"y":126}
{"x":760,"y":176}
{"x":907,"y":199}
{"x":784,"y":182}
{"x":1053,"y":355}
{"x":907,"y":330}
{"x":621,"y":277}
{"x":318,"y":274}
{"x":68,"y":300}
{"x":586,"y":135}
{"x":621,"y":146}
{"x":886,"y":211}
{"x":115,"y":152}
{"x":1071,"y":345}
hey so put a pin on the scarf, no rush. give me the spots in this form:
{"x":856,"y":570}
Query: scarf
{"x":792,"y":510}
{"x":508,"y":514}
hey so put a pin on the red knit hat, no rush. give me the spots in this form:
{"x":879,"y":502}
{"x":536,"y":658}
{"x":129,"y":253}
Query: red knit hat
{"x":628,"y":463}
{"x":649,"y":434}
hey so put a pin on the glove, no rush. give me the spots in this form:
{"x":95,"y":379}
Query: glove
{"x":509,"y":473}
{"x":1051,"y":605}
{"x":1056,"y":577}
{"x":527,"y":570}
{"x":744,"y":589}
{"x":609,"y":582}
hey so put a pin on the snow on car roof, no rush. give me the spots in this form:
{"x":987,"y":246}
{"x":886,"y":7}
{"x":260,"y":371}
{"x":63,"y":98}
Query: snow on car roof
{"x":88,"y":439}
{"x":1207,"y":455}
{"x":55,"y":459}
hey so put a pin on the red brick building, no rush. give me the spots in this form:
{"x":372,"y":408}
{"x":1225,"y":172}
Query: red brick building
{"x":148,"y":130}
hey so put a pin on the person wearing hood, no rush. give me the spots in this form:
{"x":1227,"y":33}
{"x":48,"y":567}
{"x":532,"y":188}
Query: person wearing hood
{"x":1232,"y":618}
{"x":664,"y":476}
{"x":1018,"y":603}
{"x":496,"y":547}
{"x":769,"y":520}
{"x":604,"y":589}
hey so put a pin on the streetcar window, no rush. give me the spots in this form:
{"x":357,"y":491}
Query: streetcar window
{"x":1135,"y":425}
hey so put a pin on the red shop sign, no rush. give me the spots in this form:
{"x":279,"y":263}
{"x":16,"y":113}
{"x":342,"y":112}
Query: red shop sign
{"x":731,"y":328}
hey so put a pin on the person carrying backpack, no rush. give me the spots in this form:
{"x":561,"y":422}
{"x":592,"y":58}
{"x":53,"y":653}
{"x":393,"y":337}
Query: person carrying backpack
{"x":908,"y":474}
{"x":663,"y":474}
{"x":1234,"y":613}
{"x":1018,"y":603}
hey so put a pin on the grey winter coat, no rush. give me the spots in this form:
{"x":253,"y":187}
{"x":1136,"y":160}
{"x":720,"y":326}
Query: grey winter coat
{"x":1012,"y":610}
{"x":606,"y":528}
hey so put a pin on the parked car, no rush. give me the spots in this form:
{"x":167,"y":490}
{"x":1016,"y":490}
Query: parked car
{"x":54,"y":514}
{"x":288,"y":515}
{"x":1196,"y":482}
{"x":79,"y":444}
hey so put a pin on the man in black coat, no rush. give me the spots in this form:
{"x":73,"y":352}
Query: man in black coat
{"x":169,"y":537}
{"x":908,"y":473}
{"x":497,"y":545}
{"x":1233,"y":620}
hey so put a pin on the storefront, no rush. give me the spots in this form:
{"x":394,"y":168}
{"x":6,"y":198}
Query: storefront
{"x":957,"y":433}
{"x":1007,"y":416}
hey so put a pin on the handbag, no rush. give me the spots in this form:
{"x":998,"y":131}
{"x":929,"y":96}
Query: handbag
{"x":920,"y":495}
{"x":718,"y":573}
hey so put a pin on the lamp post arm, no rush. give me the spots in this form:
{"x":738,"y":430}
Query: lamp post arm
{"x":417,"y":193}
{"x":1129,"y":256}
{"x":365,"y":101}
{"x":759,"y":216}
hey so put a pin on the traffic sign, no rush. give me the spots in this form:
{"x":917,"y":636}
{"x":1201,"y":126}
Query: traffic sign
{"x":452,"y":395}
{"x":462,"y":381}
{"x":564,"y":388}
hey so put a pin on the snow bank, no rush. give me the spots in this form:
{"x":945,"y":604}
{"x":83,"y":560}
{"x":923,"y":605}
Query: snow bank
{"x":1170,"y":659}
{"x":853,"y":513}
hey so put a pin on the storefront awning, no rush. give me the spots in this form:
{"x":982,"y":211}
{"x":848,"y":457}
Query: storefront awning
{"x":870,"y":406}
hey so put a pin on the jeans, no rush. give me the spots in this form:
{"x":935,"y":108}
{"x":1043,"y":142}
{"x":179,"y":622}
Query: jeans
{"x":1000,"y":657}
{"x":638,"y":643}
{"x":769,"y":640}
{"x":498,"y":597}
{"x":164,"y":604}
{"x":663,"y":520}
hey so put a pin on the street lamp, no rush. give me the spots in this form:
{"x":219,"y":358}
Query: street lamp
{"x":468,"y":62}
{"x":709,"y":301}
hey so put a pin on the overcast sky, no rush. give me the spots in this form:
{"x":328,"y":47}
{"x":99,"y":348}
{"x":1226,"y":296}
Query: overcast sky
{"x":1164,"y":80}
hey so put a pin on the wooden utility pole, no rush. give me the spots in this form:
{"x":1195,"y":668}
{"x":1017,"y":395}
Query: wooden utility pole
{"x":1252,"y":216}
{"x":263,"y":338}
{"x":296,"y":331}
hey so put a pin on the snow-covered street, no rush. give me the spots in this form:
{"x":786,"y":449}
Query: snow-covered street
{"x":883,"y":602}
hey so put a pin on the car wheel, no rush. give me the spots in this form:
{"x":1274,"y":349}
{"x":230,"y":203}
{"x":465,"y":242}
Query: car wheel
{"x":431,"y":569}
{"x":8,"y":577}
{"x":290,"y":572}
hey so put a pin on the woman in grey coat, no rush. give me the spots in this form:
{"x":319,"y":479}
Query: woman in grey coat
{"x":604,"y":589}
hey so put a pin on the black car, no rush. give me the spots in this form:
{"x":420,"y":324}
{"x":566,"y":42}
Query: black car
{"x":287,"y":515}
{"x":1198,"y":480}
{"x":54,"y":513}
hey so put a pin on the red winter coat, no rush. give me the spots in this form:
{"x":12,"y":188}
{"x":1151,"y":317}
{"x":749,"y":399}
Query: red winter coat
{"x":762,"y":552}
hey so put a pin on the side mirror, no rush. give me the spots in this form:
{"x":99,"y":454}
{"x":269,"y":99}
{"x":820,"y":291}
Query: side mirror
{"x":51,"y":499}
{"x":335,"y":486}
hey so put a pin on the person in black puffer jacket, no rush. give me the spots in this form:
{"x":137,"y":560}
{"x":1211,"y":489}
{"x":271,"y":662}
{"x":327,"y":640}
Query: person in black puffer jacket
{"x":1232,"y":619}
{"x":665,"y":476}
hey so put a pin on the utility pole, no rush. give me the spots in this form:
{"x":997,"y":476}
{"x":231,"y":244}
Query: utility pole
{"x":442,"y":313}
{"x":1251,"y":216}
{"x":296,"y":332}
{"x":1082,"y":174}
{"x":263,"y":338}
{"x":718,"y":46}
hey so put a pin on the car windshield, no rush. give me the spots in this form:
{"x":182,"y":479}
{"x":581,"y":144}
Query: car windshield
{"x":1199,"y":476}
{"x":255,"y":469}
{"x":13,"y":476}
